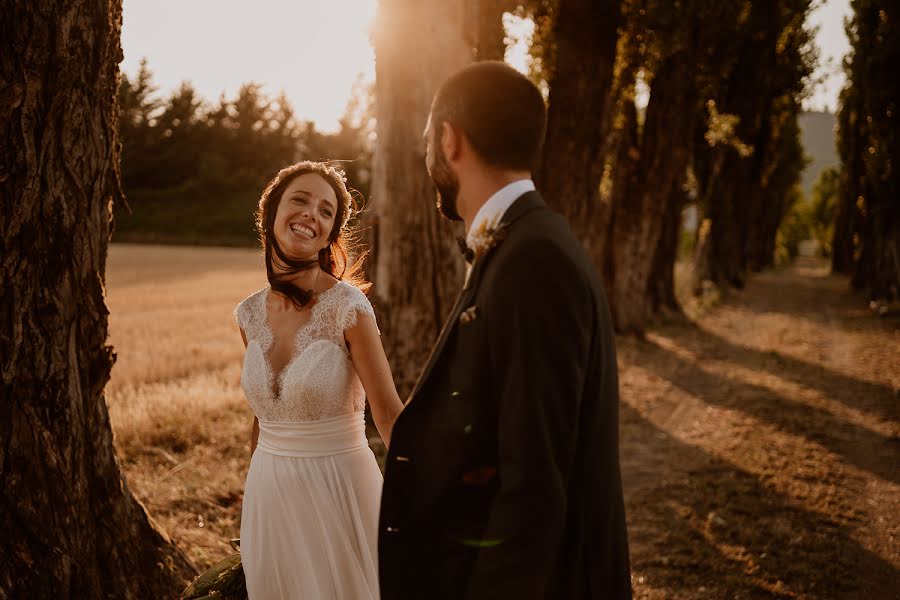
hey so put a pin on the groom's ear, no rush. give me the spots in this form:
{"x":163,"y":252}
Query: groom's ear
{"x":451,"y":141}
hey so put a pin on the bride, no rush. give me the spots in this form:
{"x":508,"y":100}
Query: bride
{"x":310,"y":512}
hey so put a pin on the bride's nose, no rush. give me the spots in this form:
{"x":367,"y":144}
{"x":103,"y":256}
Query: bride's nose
{"x":308,"y":213}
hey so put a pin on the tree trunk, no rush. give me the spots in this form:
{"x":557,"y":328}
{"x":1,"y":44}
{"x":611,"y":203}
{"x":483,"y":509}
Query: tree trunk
{"x":844,"y":221}
{"x":727,"y":227}
{"x":877,"y":268}
{"x":733,"y":189}
{"x":781,"y":187}
{"x":417,"y":266}
{"x":71,"y":527}
{"x":585,"y":33}
{"x":665,"y":146}
{"x":623,"y":157}
{"x":850,"y":147}
{"x":867,"y":232}
{"x":758,"y":199}
{"x":661,"y":286}
{"x":490,"y":40}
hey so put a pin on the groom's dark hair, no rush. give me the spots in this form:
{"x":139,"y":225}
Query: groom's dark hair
{"x":501,"y":112}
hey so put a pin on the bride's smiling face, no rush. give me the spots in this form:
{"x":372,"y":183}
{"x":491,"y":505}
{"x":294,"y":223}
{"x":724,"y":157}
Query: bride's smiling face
{"x":305,"y":216}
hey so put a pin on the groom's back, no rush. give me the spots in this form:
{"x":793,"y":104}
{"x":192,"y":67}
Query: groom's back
{"x":592,"y":561}
{"x":503,"y":475}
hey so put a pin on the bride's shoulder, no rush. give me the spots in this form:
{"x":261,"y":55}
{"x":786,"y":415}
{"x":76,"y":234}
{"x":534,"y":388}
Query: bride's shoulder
{"x":254,"y":297}
{"x":348,"y":295}
{"x":353,"y":301}
{"x":246,"y":307}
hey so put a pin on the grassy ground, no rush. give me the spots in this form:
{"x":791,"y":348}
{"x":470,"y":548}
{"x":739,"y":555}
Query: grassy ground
{"x":180,"y":419}
{"x":759,"y":440}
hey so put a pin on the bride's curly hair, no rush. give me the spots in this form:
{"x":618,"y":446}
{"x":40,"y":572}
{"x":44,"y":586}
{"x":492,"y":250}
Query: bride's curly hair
{"x":339,"y":258}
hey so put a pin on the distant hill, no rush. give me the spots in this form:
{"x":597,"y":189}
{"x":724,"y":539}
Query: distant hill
{"x":818,"y":139}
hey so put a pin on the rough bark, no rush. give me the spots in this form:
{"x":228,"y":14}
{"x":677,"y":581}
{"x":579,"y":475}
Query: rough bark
{"x":758,"y":198}
{"x":417,"y":266}
{"x":640,"y":213}
{"x":585,"y":34}
{"x":71,"y":527}
{"x":623,"y":156}
{"x":661,"y":284}
{"x":725,"y":260}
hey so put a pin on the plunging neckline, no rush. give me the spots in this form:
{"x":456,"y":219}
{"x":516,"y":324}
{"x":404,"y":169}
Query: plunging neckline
{"x":275,"y":381}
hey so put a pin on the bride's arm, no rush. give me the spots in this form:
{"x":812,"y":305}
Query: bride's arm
{"x":374,"y":372}
{"x":254,"y":431}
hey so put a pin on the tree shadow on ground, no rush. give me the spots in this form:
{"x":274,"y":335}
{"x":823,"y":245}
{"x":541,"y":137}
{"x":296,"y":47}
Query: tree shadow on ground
{"x":853,"y":443}
{"x":876,"y":399}
{"x":701,"y":527}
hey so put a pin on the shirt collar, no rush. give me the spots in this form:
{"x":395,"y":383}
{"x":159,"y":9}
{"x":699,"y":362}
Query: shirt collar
{"x":496,"y":206}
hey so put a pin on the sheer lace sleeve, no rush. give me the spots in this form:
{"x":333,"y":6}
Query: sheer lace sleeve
{"x":356,"y":303}
{"x":247,"y":314}
{"x":242,"y":314}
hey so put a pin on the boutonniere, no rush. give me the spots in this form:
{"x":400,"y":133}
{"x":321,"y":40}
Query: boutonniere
{"x":480,"y":242}
{"x":468,"y":315}
{"x":487,"y":237}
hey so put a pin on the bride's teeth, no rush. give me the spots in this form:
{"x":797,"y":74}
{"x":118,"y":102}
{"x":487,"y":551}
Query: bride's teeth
{"x":299,"y":229}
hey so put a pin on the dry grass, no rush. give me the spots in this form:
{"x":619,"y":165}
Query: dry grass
{"x":180,"y":419}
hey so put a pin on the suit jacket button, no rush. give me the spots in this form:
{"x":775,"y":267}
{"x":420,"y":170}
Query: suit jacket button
{"x":392,"y":530}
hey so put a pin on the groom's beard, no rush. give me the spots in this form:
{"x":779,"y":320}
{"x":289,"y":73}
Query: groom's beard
{"x":447,"y":186}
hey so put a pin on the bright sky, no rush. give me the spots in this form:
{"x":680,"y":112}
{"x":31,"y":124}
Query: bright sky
{"x":315,"y":50}
{"x":833,"y":45}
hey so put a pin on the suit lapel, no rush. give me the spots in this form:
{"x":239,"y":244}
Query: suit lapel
{"x":523,"y":205}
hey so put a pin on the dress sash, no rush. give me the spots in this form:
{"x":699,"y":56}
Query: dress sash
{"x":325,"y":437}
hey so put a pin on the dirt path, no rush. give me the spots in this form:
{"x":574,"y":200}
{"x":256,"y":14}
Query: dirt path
{"x":760,"y":446}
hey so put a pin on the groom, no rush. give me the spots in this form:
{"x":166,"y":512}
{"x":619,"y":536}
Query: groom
{"x":502,"y":479}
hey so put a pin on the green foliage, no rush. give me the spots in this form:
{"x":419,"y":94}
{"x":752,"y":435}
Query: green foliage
{"x":823,"y":204}
{"x":192,"y":172}
{"x":794,"y":229}
{"x":808,"y":220}
{"x":189,"y":214}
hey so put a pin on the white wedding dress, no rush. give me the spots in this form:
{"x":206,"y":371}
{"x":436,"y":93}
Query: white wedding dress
{"x":309,"y":524}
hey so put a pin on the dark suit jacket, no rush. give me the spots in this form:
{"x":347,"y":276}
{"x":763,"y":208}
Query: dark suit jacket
{"x":502,"y":479}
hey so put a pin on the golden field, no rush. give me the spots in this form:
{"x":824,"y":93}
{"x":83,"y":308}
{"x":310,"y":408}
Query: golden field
{"x":180,"y":419}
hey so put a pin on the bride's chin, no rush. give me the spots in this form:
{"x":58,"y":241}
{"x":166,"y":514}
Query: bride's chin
{"x":293,"y":252}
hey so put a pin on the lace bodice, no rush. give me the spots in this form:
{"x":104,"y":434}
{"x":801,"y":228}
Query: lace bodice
{"x":319,"y":381}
